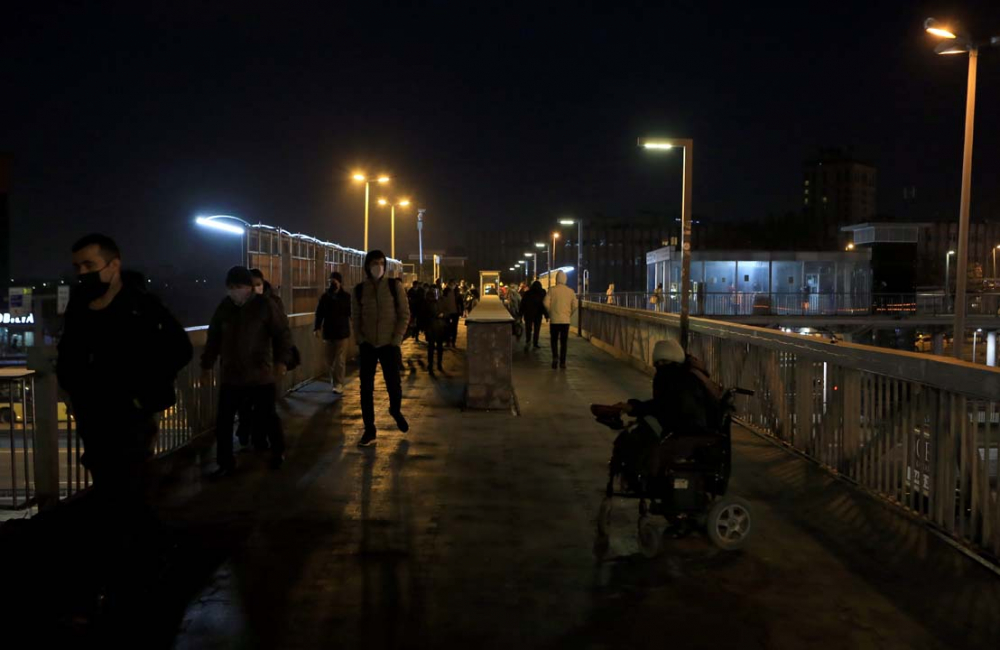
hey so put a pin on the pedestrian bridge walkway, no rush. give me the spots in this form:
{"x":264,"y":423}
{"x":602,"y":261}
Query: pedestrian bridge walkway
{"x":476,"y":529}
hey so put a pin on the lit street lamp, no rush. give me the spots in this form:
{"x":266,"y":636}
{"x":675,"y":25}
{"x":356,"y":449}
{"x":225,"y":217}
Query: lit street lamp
{"x":218,"y":222}
{"x":368,"y":182}
{"x":975,"y":335}
{"x":402,"y":204}
{"x":995,"y":261}
{"x":957,"y":42}
{"x":660,"y":144}
{"x":535,"y":255}
{"x":579,"y":251}
{"x":552,"y":256}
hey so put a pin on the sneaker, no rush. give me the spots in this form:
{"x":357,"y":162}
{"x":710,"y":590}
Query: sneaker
{"x":401,"y":422}
{"x":367,"y":440}
{"x":224,"y":471}
{"x":277,"y":461}
{"x":337,"y":390}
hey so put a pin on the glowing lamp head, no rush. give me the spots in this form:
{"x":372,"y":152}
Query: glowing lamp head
{"x":359,"y":177}
{"x":566,"y":222}
{"x":383,"y":179}
{"x":382,"y":202}
{"x":538,"y":245}
{"x":951,"y":252}
{"x":404,"y":202}
{"x":555,"y":235}
{"x":657,"y":145}
{"x":528,"y":254}
{"x":934,"y":27}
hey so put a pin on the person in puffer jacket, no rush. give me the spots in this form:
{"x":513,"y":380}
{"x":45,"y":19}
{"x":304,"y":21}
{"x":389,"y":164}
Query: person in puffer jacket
{"x":560,"y":302}
{"x":380,"y":315}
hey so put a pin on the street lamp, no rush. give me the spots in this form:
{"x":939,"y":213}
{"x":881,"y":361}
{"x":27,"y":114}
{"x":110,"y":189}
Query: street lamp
{"x":368,"y":182}
{"x":958,"y":42}
{"x":535,"y":255}
{"x":947,"y":279}
{"x":660,"y":144}
{"x":850,"y":247}
{"x":995,"y":261}
{"x":218,"y":222}
{"x":552,"y":256}
{"x":975,"y":335}
{"x":579,"y":251}
{"x":402,"y":204}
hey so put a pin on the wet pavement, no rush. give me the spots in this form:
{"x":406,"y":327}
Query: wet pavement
{"x":477,"y":529}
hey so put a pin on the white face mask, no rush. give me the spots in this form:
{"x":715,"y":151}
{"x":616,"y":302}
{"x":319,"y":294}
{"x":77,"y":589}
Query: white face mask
{"x":240,"y":295}
{"x":259,"y":290}
{"x":377,"y":271}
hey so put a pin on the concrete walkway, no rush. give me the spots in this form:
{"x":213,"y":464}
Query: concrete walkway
{"x":476,"y":530}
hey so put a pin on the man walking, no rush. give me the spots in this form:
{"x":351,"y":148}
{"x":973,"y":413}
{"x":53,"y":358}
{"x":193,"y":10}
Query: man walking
{"x":560,"y":302}
{"x":251,"y":335}
{"x":380,"y":314}
{"x":118,"y":357}
{"x":533,"y":309}
{"x":333,"y":323}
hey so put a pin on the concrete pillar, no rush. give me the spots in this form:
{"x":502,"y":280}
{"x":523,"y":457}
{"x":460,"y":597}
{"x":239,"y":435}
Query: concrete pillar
{"x":938,"y":346}
{"x":991,"y":348}
{"x":45,"y":459}
{"x":488,"y":358}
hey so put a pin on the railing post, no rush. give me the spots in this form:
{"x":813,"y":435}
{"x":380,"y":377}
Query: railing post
{"x":45,"y":400}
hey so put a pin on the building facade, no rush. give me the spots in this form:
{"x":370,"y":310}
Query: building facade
{"x":837,"y":191}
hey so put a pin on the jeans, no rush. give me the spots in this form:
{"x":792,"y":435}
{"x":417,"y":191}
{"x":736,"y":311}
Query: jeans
{"x":435,"y":342}
{"x":260,"y":402}
{"x":559,"y":334}
{"x":530,"y":323}
{"x":390,"y":357}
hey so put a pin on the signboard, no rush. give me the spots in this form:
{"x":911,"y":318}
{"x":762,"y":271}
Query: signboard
{"x":19,"y":299}
{"x":62,"y":299}
{"x":7,"y":318}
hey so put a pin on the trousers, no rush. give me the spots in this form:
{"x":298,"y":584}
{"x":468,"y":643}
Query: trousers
{"x":529,"y":324}
{"x":259,"y":401}
{"x":336,"y":359}
{"x":560,"y":337}
{"x":390,"y":358}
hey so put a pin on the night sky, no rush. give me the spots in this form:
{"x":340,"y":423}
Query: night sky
{"x":132,"y":119}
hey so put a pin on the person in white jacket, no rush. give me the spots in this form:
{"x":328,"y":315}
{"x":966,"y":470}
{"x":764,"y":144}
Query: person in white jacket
{"x":560,"y":302}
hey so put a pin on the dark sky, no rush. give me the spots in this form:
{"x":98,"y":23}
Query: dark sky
{"x":132,"y":119}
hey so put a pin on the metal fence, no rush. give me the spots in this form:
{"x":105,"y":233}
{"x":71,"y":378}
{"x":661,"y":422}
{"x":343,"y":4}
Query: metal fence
{"x":755,"y":303}
{"x":921,"y":432}
{"x":40,"y":449}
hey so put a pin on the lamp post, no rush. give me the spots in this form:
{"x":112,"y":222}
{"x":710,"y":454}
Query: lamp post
{"x":392,"y":209}
{"x":420,"y":237}
{"x":974,"y":336}
{"x":368,"y":182}
{"x":535,"y":255}
{"x":216,"y":222}
{"x":555,"y":236}
{"x":579,"y":251}
{"x":957,"y":42}
{"x":995,"y":261}
{"x":947,"y":278}
{"x":548,"y":260}
{"x":660,"y":144}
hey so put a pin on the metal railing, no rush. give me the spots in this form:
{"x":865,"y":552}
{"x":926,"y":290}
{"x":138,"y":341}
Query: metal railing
{"x":757,"y":303}
{"x":921,"y":432}
{"x":45,"y":463}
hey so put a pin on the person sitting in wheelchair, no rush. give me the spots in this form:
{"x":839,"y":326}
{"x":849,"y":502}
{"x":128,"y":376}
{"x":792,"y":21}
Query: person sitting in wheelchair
{"x":685,"y":412}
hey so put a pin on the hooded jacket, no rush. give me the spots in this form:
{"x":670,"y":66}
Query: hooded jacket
{"x":378,"y":318}
{"x":333,"y":315}
{"x":560,"y":301}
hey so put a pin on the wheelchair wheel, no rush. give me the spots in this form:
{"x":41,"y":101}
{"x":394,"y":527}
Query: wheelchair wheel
{"x":604,"y":517}
{"x":729,"y":523}
{"x":650,"y":537}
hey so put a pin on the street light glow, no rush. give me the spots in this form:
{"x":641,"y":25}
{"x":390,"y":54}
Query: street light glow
{"x":657,"y":145}
{"x":383,"y":179}
{"x":537,"y":245}
{"x":951,"y":252}
{"x":566,"y":222}
{"x":218,"y":225}
{"x":404,"y":202}
{"x":933,"y":27}
{"x":382,"y":201}
{"x":555,"y":235}
{"x":528,"y":254}
{"x":359,"y":177}
{"x":958,"y":47}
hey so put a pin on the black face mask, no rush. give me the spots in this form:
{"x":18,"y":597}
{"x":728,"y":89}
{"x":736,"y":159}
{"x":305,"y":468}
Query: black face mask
{"x":90,"y":287}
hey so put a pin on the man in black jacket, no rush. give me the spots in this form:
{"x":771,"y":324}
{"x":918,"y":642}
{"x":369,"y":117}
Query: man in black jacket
{"x":333,"y":323}
{"x":532,"y":310}
{"x":252,"y":337}
{"x":118,"y":357}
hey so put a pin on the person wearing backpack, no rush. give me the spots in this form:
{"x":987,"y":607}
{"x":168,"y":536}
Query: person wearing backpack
{"x":380,"y":315}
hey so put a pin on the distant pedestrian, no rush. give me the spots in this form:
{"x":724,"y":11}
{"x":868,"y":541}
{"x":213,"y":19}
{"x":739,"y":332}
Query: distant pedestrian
{"x":380,"y":314}
{"x":451,"y":305}
{"x":262,"y":287}
{"x":657,"y":298}
{"x":532,"y":310}
{"x":611,"y":293}
{"x":415,"y":300}
{"x":433,"y":321}
{"x":561,"y":305}
{"x":333,"y":323}
{"x":250,"y":428}
{"x":118,"y":357}
{"x":250,"y":335}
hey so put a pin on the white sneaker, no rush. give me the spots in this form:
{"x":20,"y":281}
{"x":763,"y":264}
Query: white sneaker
{"x":338,"y":390}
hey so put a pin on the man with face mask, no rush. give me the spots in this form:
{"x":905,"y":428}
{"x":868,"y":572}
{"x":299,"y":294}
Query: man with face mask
{"x":380,"y":315}
{"x":252,"y":337}
{"x":118,"y":357}
{"x":333,"y":323}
